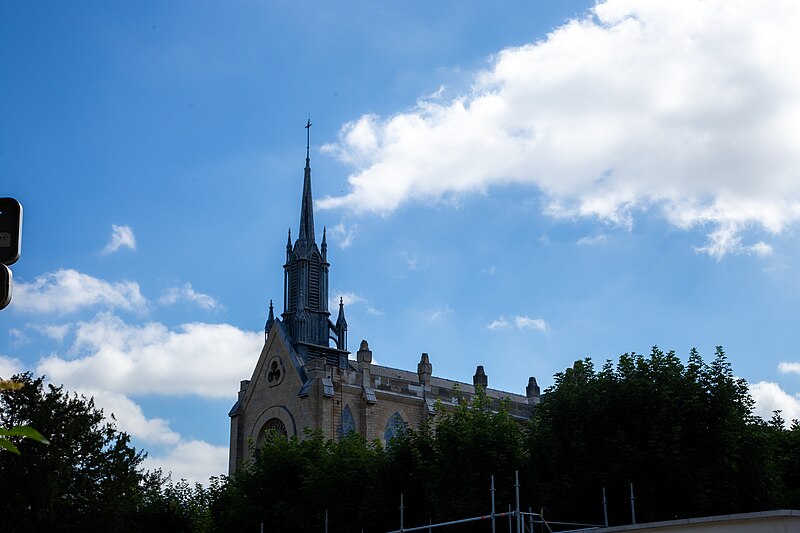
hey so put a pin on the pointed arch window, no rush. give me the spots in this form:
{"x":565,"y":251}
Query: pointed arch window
{"x":347,"y":423}
{"x":395,"y":427}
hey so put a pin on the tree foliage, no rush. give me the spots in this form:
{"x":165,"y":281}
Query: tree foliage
{"x":683,"y":434}
{"x":86,"y":479}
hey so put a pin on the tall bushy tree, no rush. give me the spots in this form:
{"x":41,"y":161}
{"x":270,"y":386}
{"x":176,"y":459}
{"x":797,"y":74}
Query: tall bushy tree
{"x":684,"y":436}
{"x":473,"y":443}
{"x":87,"y":479}
{"x":290,"y":484}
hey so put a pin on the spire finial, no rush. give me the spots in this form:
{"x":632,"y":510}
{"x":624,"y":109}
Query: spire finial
{"x":270,"y":321}
{"x":308,"y":138}
{"x":307,"y":208}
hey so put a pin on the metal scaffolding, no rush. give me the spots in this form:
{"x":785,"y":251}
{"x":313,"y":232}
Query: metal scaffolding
{"x":523,"y":522}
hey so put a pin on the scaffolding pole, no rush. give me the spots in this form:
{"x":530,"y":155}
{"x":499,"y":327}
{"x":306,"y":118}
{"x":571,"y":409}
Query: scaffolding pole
{"x":516,"y":487}
{"x":493,"y":526}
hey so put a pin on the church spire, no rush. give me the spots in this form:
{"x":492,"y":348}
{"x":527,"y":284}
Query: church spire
{"x":307,"y":209}
{"x":306,"y":318}
{"x":270,"y":321}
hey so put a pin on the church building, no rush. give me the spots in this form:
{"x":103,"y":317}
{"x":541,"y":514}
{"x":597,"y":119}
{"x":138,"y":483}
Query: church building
{"x":305,"y":378}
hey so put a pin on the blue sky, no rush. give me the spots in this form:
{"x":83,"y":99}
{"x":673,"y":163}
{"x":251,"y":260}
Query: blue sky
{"x":516,"y":184}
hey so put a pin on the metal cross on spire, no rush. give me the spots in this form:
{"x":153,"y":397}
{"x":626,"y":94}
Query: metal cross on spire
{"x":308,"y":136}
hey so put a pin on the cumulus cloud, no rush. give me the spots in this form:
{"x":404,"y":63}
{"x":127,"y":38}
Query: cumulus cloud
{"x":207,"y":360}
{"x":56,"y":332}
{"x":771,"y":397}
{"x":130,"y":418}
{"x":68,"y":290}
{"x":519,"y":322}
{"x":9,"y":366}
{"x":789,"y":368}
{"x":189,"y":459}
{"x":121,"y":237}
{"x":687,"y":107}
{"x":193,"y":460}
{"x":187,"y":294}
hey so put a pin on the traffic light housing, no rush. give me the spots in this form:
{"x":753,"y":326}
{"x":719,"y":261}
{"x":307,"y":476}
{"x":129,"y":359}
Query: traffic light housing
{"x":5,"y":286}
{"x":10,"y":230}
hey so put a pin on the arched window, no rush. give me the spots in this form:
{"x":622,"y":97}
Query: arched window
{"x":394,"y":427}
{"x":274,"y":427}
{"x":347,"y":423}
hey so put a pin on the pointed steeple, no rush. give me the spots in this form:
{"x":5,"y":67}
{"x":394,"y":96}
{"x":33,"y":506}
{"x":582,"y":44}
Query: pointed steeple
{"x":270,"y":321}
{"x":341,"y":319}
{"x":307,"y":208}
{"x":306,"y":318}
{"x":341,"y":327}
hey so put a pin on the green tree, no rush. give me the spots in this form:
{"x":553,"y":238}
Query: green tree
{"x":685,"y":436}
{"x":476,"y":441}
{"x":87,"y":479}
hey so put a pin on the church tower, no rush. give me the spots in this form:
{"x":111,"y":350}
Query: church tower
{"x":305,"y":287}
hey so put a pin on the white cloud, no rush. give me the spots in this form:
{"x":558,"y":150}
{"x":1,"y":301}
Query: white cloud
{"x":344,"y":234}
{"x":17,"y":337}
{"x":500,"y":323}
{"x":130,"y":418}
{"x":68,"y":290}
{"x":186,"y":293}
{"x":121,"y":237}
{"x":56,"y":332}
{"x":789,"y":368}
{"x":194,"y":461}
{"x":413,"y":260}
{"x":9,"y":366}
{"x":519,"y":322}
{"x":688,"y":107}
{"x":770,"y":397}
{"x":348,"y":298}
{"x":190,"y":459}
{"x":590,"y":241}
{"x":726,"y":238}
{"x":351,"y":298}
{"x":524,"y":322}
{"x":203,"y":359}
{"x":438,"y":314}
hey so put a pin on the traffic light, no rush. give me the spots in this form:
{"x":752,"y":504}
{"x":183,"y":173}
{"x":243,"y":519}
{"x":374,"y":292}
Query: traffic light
{"x":10,"y":244}
{"x":10,"y":230}
{"x":5,"y":286}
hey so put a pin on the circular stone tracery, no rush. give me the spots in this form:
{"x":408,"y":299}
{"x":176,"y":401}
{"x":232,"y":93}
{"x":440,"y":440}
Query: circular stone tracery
{"x":275,"y":372}
{"x":274,"y":426}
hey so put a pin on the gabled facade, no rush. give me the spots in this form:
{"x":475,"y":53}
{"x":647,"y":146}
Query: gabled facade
{"x":304,"y":378}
